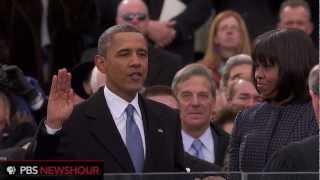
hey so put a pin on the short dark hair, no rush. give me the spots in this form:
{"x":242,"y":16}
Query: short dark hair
{"x":106,"y":37}
{"x":295,"y":3}
{"x":313,"y":79}
{"x":294,"y":53}
{"x":158,"y":90}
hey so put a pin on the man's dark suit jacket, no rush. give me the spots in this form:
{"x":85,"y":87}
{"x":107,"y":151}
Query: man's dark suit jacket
{"x":163,"y":65}
{"x":221,"y":142}
{"x":91,"y":134}
{"x":301,"y":156}
{"x":195,"y":14}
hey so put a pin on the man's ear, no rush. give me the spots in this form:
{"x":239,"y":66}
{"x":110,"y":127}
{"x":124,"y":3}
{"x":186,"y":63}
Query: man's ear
{"x":310,"y":28}
{"x":100,"y":63}
{"x":279,"y":25}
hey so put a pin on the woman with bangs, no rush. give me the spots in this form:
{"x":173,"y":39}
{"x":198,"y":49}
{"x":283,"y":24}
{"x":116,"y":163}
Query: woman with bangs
{"x":282,"y":60}
{"x":228,"y":36}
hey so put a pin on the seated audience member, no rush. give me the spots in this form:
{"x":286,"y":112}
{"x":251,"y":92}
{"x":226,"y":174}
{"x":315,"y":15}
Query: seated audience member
{"x":162,"y":64}
{"x":176,"y":31}
{"x":300,"y":156}
{"x":116,"y":123}
{"x":29,"y":97}
{"x":225,"y":118}
{"x":228,"y":36}
{"x":195,"y":92}
{"x":243,"y":94}
{"x":295,"y":14}
{"x":80,"y":82}
{"x":86,"y":78}
{"x":165,"y":95}
{"x":15,"y":125}
{"x":97,"y":79}
{"x":238,"y":66}
{"x":162,"y":94}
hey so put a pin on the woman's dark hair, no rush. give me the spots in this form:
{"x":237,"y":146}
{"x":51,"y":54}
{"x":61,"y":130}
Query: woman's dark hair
{"x":294,"y":53}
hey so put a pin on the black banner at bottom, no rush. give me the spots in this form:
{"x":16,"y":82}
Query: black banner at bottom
{"x":52,"y":169}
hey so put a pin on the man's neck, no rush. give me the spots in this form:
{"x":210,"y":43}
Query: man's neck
{"x":226,"y":53}
{"x":195,"y":133}
{"x":123,"y":95}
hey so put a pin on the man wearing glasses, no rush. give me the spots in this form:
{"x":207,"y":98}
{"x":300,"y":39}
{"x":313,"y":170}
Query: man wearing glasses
{"x":162,"y":64}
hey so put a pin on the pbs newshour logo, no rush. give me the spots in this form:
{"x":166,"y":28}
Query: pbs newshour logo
{"x":11,"y":170}
{"x":22,"y":170}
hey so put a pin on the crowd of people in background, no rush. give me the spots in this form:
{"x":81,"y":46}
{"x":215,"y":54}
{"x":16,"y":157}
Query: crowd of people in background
{"x":123,"y":77}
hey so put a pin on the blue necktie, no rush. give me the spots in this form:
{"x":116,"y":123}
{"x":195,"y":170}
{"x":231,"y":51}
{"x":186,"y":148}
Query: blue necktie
{"x":134,"y":141}
{"x":197,"y":147}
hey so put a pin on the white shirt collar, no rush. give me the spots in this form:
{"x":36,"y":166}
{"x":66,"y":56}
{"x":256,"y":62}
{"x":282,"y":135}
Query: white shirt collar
{"x":205,"y":138}
{"x":117,"y":105}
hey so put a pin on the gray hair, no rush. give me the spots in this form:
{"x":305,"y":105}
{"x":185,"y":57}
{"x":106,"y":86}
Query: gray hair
{"x":192,"y":70}
{"x":313,"y":79}
{"x":106,"y":37}
{"x":233,"y":61}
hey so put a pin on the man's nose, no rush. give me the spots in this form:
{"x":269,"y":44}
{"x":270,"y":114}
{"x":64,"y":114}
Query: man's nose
{"x":195,"y":101}
{"x":135,"y":59}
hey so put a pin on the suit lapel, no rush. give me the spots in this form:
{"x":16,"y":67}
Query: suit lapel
{"x":153,"y":138}
{"x":105,"y":131}
{"x":220,"y":144}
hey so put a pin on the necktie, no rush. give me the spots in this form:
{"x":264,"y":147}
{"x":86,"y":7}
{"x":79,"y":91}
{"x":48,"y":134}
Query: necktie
{"x":133,"y":140}
{"x":197,"y":147}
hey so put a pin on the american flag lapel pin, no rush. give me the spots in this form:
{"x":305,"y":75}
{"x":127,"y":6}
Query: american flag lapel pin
{"x":160,"y":130}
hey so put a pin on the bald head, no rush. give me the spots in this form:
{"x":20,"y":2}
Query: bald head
{"x":133,"y":12}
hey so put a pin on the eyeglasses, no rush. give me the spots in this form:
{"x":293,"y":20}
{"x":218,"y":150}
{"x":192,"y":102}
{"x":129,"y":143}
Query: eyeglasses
{"x":130,"y":16}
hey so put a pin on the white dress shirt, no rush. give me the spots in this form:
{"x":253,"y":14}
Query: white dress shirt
{"x":207,"y":141}
{"x":117,"y":107}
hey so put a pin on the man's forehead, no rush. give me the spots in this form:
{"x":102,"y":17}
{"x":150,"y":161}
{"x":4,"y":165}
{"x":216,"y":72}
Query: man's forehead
{"x":194,"y":89}
{"x":294,"y":10}
{"x":132,"y":6}
{"x":121,"y":37}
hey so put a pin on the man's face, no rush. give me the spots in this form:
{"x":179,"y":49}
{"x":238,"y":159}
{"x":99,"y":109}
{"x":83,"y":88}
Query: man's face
{"x":195,"y":103}
{"x":125,"y":63}
{"x":245,"y":95}
{"x":228,"y":34}
{"x":134,"y":13}
{"x":297,"y":18}
{"x":242,"y":71}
